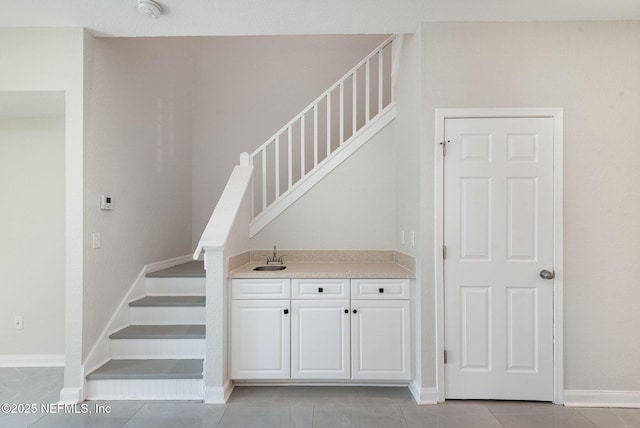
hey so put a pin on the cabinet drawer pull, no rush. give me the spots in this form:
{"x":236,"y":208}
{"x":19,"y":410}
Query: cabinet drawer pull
{"x":320,"y":289}
{"x":355,"y":311}
{"x":346,"y":311}
{"x":380,"y":290}
{"x":286,"y":311}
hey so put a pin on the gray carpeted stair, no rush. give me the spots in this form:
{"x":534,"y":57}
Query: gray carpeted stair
{"x":160,"y":332}
{"x":149,"y":369}
{"x":152,"y":301}
{"x":194,"y":269}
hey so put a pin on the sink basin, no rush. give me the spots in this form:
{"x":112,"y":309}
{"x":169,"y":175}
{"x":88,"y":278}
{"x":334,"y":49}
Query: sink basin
{"x":270,"y":268}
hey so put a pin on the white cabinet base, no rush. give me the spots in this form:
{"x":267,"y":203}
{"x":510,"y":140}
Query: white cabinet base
{"x":260,"y":331}
{"x":320,"y":345}
{"x":320,"y":332}
{"x":380,"y":340}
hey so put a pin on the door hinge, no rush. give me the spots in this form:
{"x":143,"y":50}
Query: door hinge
{"x":445,"y":356}
{"x":444,"y":147}
{"x":444,"y":252}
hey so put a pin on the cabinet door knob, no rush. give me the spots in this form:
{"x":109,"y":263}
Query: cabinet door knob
{"x":355,"y":311}
{"x":286,"y":311}
{"x":380,"y":290}
{"x":320,"y":289}
{"x":346,"y":311}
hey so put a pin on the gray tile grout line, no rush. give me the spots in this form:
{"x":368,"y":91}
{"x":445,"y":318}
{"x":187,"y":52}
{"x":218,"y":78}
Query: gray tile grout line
{"x":588,"y":419}
{"x":37,"y":420}
{"x":404,"y":418}
{"x":493,"y":415}
{"x":132,"y":416}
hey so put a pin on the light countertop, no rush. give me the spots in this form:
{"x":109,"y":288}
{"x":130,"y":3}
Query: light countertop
{"x":326,"y":270}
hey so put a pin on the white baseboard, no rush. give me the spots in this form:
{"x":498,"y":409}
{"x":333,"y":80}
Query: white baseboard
{"x":100,"y":351}
{"x":218,"y":395}
{"x":33,"y":360}
{"x":154,"y":267}
{"x":71,"y":396}
{"x":589,"y":398}
{"x":423,"y":395}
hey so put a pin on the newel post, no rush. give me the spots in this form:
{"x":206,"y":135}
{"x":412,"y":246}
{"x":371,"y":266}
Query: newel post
{"x":215,"y":363}
{"x":245,"y":160}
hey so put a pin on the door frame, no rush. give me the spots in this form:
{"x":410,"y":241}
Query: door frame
{"x":558,"y":316}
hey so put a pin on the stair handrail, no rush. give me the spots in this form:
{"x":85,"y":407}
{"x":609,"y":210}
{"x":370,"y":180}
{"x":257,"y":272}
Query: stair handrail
{"x":371,"y":83}
{"x":224,"y":215}
{"x":323,"y":95}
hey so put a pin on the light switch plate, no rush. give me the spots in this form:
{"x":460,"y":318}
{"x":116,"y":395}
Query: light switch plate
{"x":96,"y":240}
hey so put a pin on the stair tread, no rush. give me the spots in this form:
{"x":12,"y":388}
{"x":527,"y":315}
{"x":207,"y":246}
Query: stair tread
{"x":160,"y":332}
{"x":193,"y":269}
{"x":150,"y":301}
{"x":149,"y":369}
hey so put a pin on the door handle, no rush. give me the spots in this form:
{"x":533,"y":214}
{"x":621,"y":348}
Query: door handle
{"x":545,"y":274}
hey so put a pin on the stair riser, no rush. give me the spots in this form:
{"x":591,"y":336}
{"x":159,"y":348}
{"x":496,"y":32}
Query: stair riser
{"x":157,"y":348}
{"x":163,"y":315}
{"x":175,"y":286}
{"x":145,"y":389}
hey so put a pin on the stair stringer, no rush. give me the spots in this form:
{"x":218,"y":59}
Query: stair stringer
{"x":100,"y":352}
{"x":324,"y":168}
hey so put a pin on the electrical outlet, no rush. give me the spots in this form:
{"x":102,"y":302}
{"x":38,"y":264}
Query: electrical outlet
{"x":413,"y":238}
{"x":402,"y":240}
{"x":18,"y":322}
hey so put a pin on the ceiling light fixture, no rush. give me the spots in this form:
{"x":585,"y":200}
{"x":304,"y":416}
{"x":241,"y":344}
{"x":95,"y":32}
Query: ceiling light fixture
{"x":150,"y":8}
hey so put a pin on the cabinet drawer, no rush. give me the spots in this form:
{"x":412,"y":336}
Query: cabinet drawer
{"x":320,"y":289}
{"x":268,"y":288}
{"x":389,"y":289}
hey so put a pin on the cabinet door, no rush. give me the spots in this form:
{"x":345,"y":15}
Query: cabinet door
{"x":380,"y":344}
{"x":320,"y":347}
{"x":260,"y":331}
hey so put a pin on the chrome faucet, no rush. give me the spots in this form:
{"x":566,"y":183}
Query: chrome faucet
{"x":275,"y":260}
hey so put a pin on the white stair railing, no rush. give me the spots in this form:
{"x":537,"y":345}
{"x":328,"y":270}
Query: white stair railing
{"x":331,"y":121}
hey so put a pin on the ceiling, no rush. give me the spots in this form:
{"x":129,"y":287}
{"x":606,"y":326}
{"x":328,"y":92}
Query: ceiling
{"x":119,"y":18}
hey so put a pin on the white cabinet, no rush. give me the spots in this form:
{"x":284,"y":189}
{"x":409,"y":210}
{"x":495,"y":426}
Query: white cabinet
{"x":320,"y":329}
{"x":320,"y":339}
{"x":380,"y":329}
{"x":380,"y":344}
{"x":260,"y":330}
{"x":380,"y":289}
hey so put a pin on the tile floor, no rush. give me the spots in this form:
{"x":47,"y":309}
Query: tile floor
{"x":295,"y":407}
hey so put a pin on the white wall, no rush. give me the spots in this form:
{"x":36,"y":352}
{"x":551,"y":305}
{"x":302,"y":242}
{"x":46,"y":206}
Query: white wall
{"x":52,"y":60}
{"x":406,"y":138}
{"x":592,"y":70}
{"x":138,"y":151}
{"x":407,"y":189}
{"x":353,"y":208}
{"x":249,"y":87}
{"x":32,"y":226}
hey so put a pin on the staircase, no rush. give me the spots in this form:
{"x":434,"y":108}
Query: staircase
{"x":160,"y":355}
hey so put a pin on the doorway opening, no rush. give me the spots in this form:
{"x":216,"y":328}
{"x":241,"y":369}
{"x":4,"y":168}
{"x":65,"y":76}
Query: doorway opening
{"x":32,"y":226}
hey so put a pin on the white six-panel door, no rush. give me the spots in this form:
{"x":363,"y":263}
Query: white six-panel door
{"x":499,"y":236}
